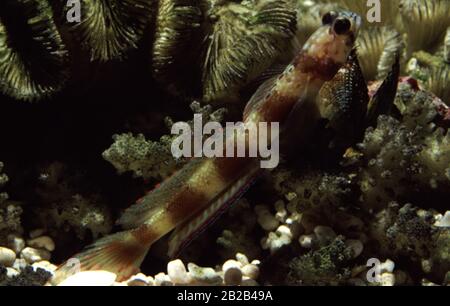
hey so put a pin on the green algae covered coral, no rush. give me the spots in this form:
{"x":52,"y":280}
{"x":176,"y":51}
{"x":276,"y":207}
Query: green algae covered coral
{"x":146,"y":159}
{"x":327,"y":265}
{"x":67,"y":210}
{"x":3,"y":180}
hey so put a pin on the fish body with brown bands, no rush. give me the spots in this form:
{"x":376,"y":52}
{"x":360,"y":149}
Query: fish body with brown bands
{"x":191,"y":196}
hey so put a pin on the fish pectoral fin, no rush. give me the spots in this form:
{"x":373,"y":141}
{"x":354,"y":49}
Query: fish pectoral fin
{"x":121,"y":253}
{"x":300,"y":123}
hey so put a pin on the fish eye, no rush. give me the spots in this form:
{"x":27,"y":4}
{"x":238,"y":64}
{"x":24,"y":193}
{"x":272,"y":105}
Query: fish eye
{"x":329,"y":17}
{"x":342,"y":26}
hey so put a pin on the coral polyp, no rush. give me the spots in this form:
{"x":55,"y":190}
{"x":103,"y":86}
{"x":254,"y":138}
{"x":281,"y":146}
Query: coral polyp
{"x":377,"y":48}
{"x":111,"y":28}
{"x":176,"y":23}
{"x":34,"y":58}
{"x":245,"y":40}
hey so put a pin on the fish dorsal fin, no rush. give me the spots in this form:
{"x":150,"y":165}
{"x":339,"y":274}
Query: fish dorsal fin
{"x":183,"y":235}
{"x":296,"y":46}
{"x":271,"y":72}
{"x":276,"y":69}
{"x":156,"y":200}
{"x":260,"y":95}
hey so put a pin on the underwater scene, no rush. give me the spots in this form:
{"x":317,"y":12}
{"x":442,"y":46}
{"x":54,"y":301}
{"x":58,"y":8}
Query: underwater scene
{"x":224,"y":142}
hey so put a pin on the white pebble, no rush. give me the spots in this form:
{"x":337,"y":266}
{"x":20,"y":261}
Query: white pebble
{"x":249,"y":282}
{"x":34,"y":255}
{"x":177,"y":272}
{"x":204,"y":275}
{"x":256,"y":262}
{"x":46,"y":265}
{"x":7,"y":257}
{"x":10,"y":272}
{"x":16,"y":243}
{"x":43,"y":242}
{"x":251,"y":271}
{"x":162,"y":279}
{"x":242,"y":258}
{"x":232,"y":276}
{"x":136,"y":283}
{"x":137,"y":280}
{"x":324,"y":233}
{"x":444,"y":221}
{"x":19,"y":264}
{"x":274,"y":241}
{"x":90,"y":278}
{"x":387,"y":266}
{"x":290,"y":196}
{"x":284,"y":230}
{"x":150,"y":281}
{"x":119,"y":284}
{"x":387,"y":279}
{"x":36,"y":233}
{"x":231,"y":263}
{"x":427,"y":265}
{"x":306,"y":240}
{"x":267,"y":221}
{"x":428,"y":283}
{"x":281,"y":213}
{"x":356,"y":246}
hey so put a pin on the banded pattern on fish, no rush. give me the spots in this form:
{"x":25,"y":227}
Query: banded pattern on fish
{"x":202,"y":181}
{"x":185,"y":233}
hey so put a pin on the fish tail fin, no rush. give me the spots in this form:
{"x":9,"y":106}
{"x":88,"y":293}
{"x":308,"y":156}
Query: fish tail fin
{"x":121,"y":253}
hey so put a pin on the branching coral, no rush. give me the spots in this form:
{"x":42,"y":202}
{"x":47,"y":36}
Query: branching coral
{"x":327,"y":265}
{"x":239,"y":227}
{"x":399,"y":159}
{"x":313,"y":189}
{"x":389,"y":150}
{"x":27,"y":277}
{"x":402,"y":231}
{"x":145,"y":158}
{"x":67,"y":209}
{"x":3,"y":180}
{"x":153,"y":159}
{"x":10,"y":211}
{"x":408,"y":231}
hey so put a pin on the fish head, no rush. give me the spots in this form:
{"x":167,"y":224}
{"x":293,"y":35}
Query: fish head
{"x":329,"y":47}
